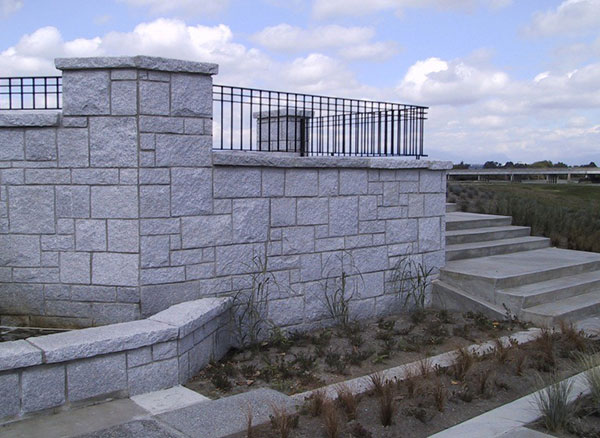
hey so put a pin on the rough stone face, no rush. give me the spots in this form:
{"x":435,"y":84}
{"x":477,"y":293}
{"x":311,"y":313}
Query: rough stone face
{"x":155,"y":251}
{"x":110,"y":376}
{"x":429,"y":234}
{"x":343,"y":216}
{"x":205,"y":231}
{"x":9,"y":394}
{"x":191,"y":95}
{"x":191,"y":191}
{"x":183,"y":150}
{"x":86,"y":93}
{"x":123,"y":96}
{"x":12,"y":145}
{"x":113,"y":142}
{"x":401,"y":230}
{"x":43,"y":387}
{"x":153,"y":376}
{"x":353,"y":182}
{"x":19,"y":250}
{"x":313,"y":211}
{"x":301,"y":182}
{"x":123,"y":235}
{"x":298,"y":240}
{"x":154,"y":98}
{"x":115,"y":269}
{"x":233,"y":182}
{"x":155,"y":201}
{"x":17,"y":354}
{"x":283,"y":212}
{"x":115,"y":202}
{"x":237,"y":259}
{"x":90,"y":235}
{"x":40,"y":144}
{"x":31,"y":209}
{"x":72,"y":201}
{"x":250,"y":220}
{"x":75,"y":267}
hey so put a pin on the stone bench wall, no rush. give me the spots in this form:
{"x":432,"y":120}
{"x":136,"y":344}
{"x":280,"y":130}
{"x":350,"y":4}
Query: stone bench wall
{"x":113,"y":361}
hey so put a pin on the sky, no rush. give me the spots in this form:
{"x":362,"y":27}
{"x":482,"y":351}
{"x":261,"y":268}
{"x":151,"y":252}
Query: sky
{"x":514,"y":80}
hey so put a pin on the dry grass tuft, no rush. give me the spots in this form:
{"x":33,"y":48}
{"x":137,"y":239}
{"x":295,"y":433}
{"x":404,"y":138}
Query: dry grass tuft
{"x":249,"y":417}
{"x":347,"y":400}
{"x":315,"y":402}
{"x":386,"y":404}
{"x":377,"y":382}
{"x":282,"y":421}
{"x":573,"y":336}
{"x":463,"y":363}
{"x":440,"y":394}
{"x":331,"y":419}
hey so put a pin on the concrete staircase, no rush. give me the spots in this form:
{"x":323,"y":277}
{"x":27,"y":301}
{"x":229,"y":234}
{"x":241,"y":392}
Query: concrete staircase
{"x":495,"y":267}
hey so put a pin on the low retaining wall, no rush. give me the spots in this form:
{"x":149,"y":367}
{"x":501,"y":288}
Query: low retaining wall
{"x":118,"y":360}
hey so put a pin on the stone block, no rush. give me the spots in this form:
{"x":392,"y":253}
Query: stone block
{"x":123,"y":74}
{"x":162,"y":275}
{"x":31,"y":209}
{"x":43,"y":387}
{"x":166,"y":125}
{"x":183,"y":150}
{"x":202,"y":231}
{"x":147,"y":142}
{"x":153,"y":376}
{"x":47,"y":176}
{"x":310,"y":267}
{"x":237,"y":182}
{"x":401,"y":231}
{"x":115,"y":269}
{"x":57,"y":292}
{"x":408,"y":187}
{"x":154,"y":98}
{"x":301,"y":182}
{"x":35,"y":275}
{"x":155,"y":201}
{"x":329,"y":244}
{"x":191,"y":191}
{"x":40,"y":144}
{"x":343,"y":216}
{"x":155,"y":176}
{"x":273,"y":182}
{"x":90,"y":235}
{"x":416,"y":205}
{"x":128,"y":176}
{"x":147,"y":159}
{"x":298,"y":240}
{"x":73,"y":150}
{"x":430,"y":181}
{"x":370,"y":285}
{"x":75,"y":267}
{"x":95,"y":176}
{"x":154,"y":251}
{"x":123,"y":235}
{"x":201,"y":354}
{"x":21,"y":299}
{"x":313,"y":211}
{"x":123,"y":96}
{"x":12,"y":144}
{"x":113,"y":142}
{"x":98,"y":376}
{"x":286,"y":312}
{"x":18,"y":354}
{"x":367,"y":208}
{"x":430,"y":234}
{"x":69,"y":309}
{"x":150,"y":227}
{"x":72,"y":202}
{"x":112,"y":313}
{"x":250,"y":220}
{"x":198,"y":271}
{"x":358,"y":241}
{"x":392,"y":212}
{"x":128,"y":295}
{"x":191,"y":95}
{"x":74,"y":122}
{"x":86,"y":92}
{"x":140,"y":356}
{"x":11,"y":176}
{"x":354,"y":182}
{"x":199,"y":126}
{"x":370,"y":259}
{"x":366,"y":227}
{"x":237,"y":259}
{"x":328,"y":182}
{"x":283,"y":212}
{"x":222,"y":206}
{"x":164,"y":350}
{"x":435,"y":204}
{"x":58,"y":243}
{"x":390,"y":194}
{"x":19,"y":250}
{"x":114,"y":202}
{"x":9,"y":394}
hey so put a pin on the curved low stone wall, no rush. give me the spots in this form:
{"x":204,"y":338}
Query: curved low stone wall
{"x":117,"y":360}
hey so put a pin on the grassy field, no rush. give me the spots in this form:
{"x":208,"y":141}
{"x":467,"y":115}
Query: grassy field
{"x":569,"y":214}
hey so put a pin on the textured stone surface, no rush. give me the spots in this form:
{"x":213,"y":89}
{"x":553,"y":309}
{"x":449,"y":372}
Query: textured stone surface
{"x":94,"y":341}
{"x":113,"y":142}
{"x":154,"y":251}
{"x":40,"y":144}
{"x":12,"y":145}
{"x":183,"y":150}
{"x":19,"y":250}
{"x":191,"y":191}
{"x":75,"y":267}
{"x":31,"y":209}
{"x":115,"y":269}
{"x":153,"y":376}
{"x":250,"y":220}
{"x":43,"y":387}
{"x":72,"y":201}
{"x":17,"y":354}
{"x":140,"y":62}
{"x":232,"y":182}
{"x":86,"y":93}
{"x":123,"y":96}
{"x":203,"y":231}
{"x":123,"y":235}
{"x":343,"y":216}
{"x":110,"y":376}
{"x":191,"y":95}
{"x":114,"y":202}
{"x":90,"y":235}
{"x":9,"y":394}
{"x":17,"y":119}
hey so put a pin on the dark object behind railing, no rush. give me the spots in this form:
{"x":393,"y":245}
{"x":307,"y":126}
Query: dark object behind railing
{"x":262,"y":120}
{"x":30,"y":93}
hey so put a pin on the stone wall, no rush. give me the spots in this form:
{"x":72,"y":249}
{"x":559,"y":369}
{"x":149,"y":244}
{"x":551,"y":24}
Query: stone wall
{"x":117,"y":208}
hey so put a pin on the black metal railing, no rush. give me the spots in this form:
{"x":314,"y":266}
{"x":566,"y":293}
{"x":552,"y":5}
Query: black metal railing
{"x":31,"y":93}
{"x":277,"y":121}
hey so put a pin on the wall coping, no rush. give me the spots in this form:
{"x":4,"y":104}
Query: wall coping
{"x":170,"y":324}
{"x":139,"y":62}
{"x":20,"y":119}
{"x":272,"y":159}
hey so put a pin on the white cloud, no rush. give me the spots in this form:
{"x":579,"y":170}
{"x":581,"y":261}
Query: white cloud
{"x":335,"y":8}
{"x":9,"y":7}
{"x":194,"y":7}
{"x":571,"y":17}
{"x":351,"y":42}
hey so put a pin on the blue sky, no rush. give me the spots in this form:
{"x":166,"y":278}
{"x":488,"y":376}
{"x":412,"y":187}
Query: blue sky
{"x":506,"y":80}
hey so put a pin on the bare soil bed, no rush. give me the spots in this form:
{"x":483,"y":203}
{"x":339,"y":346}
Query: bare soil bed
{"x":440,"y":398}
{"x":294,"y":363}
{"x":585,"y":421}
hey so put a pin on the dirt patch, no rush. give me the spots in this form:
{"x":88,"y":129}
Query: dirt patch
{"x":294,"y":363}
{"x":421,"y":406}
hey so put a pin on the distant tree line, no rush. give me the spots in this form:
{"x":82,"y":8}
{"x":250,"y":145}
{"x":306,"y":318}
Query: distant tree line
{"x":544,"y":164}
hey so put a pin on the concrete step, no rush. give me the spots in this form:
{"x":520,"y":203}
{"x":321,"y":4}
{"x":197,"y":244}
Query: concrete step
{"x":494,"y":247}
{"x":464,"y":221}
{"x":570,"y":309}
{"x":450,"y":207}
{"x":446,"y":296}
{"x":485,"y":234}
{"x":544,"y":292}
{"x":485,"y":275}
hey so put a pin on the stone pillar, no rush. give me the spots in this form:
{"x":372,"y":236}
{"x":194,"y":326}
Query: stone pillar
{"x":283,"y":130}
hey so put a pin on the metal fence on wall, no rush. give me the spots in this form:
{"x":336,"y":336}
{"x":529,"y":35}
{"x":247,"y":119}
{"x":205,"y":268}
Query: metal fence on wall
{"x":31,"y":93}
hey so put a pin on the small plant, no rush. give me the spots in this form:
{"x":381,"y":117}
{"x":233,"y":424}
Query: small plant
{"x":335,"y":361}
{"x":544,"y":344}
{"x":591,"y":365}
{"x":483,"y":379}
{"x":221,"y":382}
{"x":412,"y":281}
{"x":520,"y":363}
{"x":359,"y":431}
{"x":305,"y":361}
{"x":425,"y":367}
{"x":282,"y":421}
{"x":377,"y":382}
{"x":386,"y":405}
{"x":331,"y":419}
{"x":463,"y":363}
{"x":465,"y":394}
{"x":347,"y":400}
{"x":501,"y":352}
{"x":553,"y":403}
{"x":315,"y":402}
{"x":249,"y":417}
{"x":574,"y":337}
{"x":439,"y":395}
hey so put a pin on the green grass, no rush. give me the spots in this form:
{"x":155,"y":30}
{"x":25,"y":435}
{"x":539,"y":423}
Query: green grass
{"x":569,"y":214}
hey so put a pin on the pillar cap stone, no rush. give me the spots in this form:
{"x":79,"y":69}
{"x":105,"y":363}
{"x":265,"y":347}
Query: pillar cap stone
{"x":139,"y":62}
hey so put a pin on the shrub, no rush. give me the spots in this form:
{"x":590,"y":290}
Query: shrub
{"x":386,"y":405}
{"x":553,"y":403}
{"x":331,"y":419}
{"x":347,"y":400}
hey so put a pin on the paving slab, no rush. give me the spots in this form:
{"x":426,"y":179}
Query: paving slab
{"x":524,"y":432}
{"x":75,"y":422}
{"x":171,"y":399}
{"x":226,"y":416}
{"x":136,"y":429}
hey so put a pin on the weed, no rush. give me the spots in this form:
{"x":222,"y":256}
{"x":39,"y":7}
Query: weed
{"x":386,"y":405}
{"x":315,"y":402}
{"x":417,"y":412}
{"x":283,"y":421}
{"x":439,"y":395}
{"x":465,"y":394}
{"x":347,"y":400}
{"x":463,"y":363}
{"x":501,"y":351}
{"x":356,"y":340}
{"x":544,"y":344}
{"x":377,"y":382}
{"x":280,"y":340}
{"x":520,"y":363}
{"x":386,"y":325}
{"x":412,"y":281}
{"x":425,"y":367}
{"x":359,"y":431}
{"x":337,"y":290}
{"x":221,"y":382}
{"x":574,"y":337}
{"x":591,"y":365}
{"x":248,"y":370}
{"x":483,"y":380}
{"x":335,"y":361}
{"x":357,"y":357}
{"x":462,"y":331}
{"x":305,"y":361}
{"x":331,"y":419}
{"x":552,"y":401}
{"x":249,"y":418}
{"x":444,"y":317}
